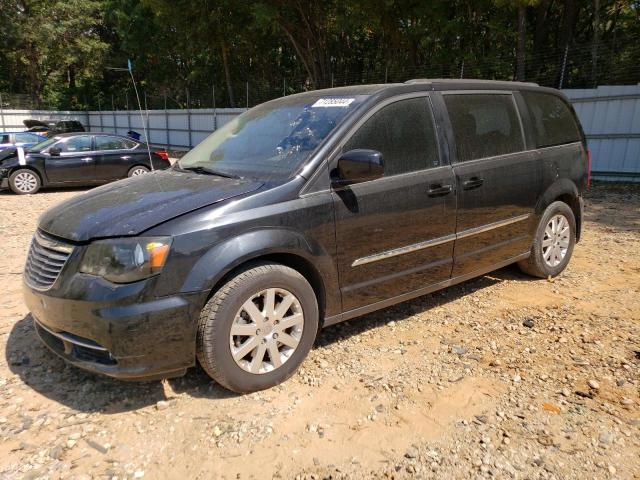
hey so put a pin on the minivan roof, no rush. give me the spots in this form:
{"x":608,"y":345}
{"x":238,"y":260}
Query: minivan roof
{"x":427,"y":84}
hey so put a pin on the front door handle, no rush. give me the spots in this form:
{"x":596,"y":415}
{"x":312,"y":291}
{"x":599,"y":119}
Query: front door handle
{"x":473,"y":182}
{"x":437,"y":190}
{"x":87,"y":159}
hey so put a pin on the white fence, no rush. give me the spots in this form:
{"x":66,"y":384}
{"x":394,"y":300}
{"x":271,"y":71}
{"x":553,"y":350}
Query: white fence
{"x":610,"y":116}
{"x":174,"y":129}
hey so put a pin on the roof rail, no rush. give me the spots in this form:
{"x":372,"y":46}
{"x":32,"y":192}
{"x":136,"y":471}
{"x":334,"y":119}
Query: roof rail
{"x":465,"y":80}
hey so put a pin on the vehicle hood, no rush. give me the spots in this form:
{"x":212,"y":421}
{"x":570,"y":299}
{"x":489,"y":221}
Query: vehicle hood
{"x":7,"y":152}
{"x":31,"y":123}
{"x":131,"y":206}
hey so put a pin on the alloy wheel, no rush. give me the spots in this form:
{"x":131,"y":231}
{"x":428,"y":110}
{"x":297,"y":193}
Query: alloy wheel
{"x":138,"y":171}
{"x":555,"y":243}
{"x":25,"y":182}
{"x":266,"y":330}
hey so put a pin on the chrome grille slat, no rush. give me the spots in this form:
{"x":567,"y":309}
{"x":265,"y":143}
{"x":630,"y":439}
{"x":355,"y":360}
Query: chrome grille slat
{"x":45,"y":261}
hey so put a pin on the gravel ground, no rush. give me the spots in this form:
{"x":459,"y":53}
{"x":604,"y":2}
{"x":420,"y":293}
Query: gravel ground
{"x":503,"y":376}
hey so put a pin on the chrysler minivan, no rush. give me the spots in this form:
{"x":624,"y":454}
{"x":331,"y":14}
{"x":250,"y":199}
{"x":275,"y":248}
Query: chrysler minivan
{"x":303,"y":212}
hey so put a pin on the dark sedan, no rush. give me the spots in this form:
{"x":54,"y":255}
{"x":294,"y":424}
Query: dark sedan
{"x":75,"y":159}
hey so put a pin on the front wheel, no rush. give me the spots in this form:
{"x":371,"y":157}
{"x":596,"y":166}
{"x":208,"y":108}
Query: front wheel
{"x":24,"y":182}
{"x":257,"y":329}
{"x":553,"y":243}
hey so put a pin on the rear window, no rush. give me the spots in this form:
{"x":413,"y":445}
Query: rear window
{"x":552,"y":119}
{"x":484,"y":125}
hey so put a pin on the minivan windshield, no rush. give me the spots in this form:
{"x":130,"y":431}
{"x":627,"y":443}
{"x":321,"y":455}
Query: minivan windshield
{"x":273,"y":140}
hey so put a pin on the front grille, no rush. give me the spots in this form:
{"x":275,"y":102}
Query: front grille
{"x":46,"y":258}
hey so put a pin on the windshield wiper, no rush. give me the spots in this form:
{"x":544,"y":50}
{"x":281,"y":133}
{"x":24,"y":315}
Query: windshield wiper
{"x":210,"y":171}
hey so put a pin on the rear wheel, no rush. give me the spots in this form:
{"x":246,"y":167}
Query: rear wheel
{"x":24,"y":182}
{"x":257,"y":329}
{"x":553,"y":243}
{"x":138,"y":170}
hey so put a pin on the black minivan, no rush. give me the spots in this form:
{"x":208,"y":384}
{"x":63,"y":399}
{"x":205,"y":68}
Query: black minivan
{"x":303,"y":212}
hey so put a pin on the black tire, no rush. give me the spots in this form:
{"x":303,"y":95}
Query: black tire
{"x":133,"y":171}
{"x":536,"y":265}
{"x":20,"y":179}
{"x":213,"y":338}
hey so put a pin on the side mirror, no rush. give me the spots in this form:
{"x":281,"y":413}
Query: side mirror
{"x":54,"y":151}
{"x":358,"y":165}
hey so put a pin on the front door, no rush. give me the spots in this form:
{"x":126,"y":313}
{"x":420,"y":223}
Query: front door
{"x":498,"y":180}
{"x":75,"y":164}
{"x":395,"y":234}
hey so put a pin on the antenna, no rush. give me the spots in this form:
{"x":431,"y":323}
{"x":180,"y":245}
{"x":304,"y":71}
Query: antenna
{"x":144,"y":127}
{"x":135,"y":88}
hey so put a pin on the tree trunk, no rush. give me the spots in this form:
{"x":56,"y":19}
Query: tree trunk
{"x":227,"y":75}
{"x":521,"y":50}
{"x":596,"y":41}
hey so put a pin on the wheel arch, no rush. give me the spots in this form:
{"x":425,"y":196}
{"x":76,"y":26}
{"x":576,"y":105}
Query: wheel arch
{"x":563,"y":190}
{"x":285,"y":247}
{"x":35,"y":170}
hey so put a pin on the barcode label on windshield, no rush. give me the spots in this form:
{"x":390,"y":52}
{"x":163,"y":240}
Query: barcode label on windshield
{"x":333,"y":102}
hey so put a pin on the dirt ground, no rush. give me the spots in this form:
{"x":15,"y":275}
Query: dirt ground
{"x":503,"y":376}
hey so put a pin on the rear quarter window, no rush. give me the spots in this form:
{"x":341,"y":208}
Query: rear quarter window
{"x":484,"y":125}
{"x":552,"y":119}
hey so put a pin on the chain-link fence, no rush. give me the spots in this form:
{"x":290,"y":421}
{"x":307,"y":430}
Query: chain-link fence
{"x":614,"y":62}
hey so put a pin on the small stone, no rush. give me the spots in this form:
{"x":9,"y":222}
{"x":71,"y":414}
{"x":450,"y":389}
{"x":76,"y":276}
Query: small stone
{"x":605,"y":437}
{"x":458,"y":350}
{"x":516,"y":378}
{"x":380,"y":408}
{"x":529,"y":323}
{"x":565,"y":392}
{"x":217,"y":431}
{"x":392,"y":323}
{"x":412,"y":452}
{"x":612,"y":470}
{"x":593,"y":384}
{"x":495,"y":363}
{"x":162,"y":405}
{"x":316,"y":461}
{"x":138,"y":474}
{"x":620,"y":382}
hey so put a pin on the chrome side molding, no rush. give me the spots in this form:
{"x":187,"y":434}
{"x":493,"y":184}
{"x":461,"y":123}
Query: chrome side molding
{"x":376,"y":257}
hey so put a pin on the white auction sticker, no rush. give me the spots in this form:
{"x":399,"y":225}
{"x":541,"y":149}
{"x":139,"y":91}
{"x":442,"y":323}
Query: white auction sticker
{"x":333,"y":102}
{"x":21,"y":160}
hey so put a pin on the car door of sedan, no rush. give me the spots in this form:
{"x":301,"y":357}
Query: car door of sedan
{"x":114,"y":158}
{"x":75,"y":164}
{"x":395,"y":234}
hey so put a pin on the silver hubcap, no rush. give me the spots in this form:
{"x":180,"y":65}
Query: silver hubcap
{"x":555,"y":244}
{"x":25,"y":182}
{"x":138,"y":171}
{"x":266,"y":330}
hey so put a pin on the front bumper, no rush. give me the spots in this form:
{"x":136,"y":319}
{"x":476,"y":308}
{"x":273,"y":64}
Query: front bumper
{"x":123,"y":338}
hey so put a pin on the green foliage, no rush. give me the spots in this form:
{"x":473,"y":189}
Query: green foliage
{"x":61,"y":52}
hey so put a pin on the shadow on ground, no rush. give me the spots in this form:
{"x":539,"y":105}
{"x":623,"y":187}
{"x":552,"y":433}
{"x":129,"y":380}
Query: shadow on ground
{"x":50,"y":376}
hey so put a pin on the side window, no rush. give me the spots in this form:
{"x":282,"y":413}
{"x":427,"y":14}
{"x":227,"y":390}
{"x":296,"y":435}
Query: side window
{"x":484,"y":125}
{"x":26,"y":138}
{"x":76,"y":144}
{"x":404,"y":133}
{"x":5,"y":138}
{"x":552,"y":119}
{"x":113,"y":143}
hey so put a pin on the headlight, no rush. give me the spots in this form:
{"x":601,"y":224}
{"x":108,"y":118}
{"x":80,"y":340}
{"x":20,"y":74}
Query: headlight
{"x":126,"y":260}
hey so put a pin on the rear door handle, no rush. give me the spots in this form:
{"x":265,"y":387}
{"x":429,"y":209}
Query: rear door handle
{"x":473,"y":182}
{"x":87,"y":159}
{"x":437,"y":190}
